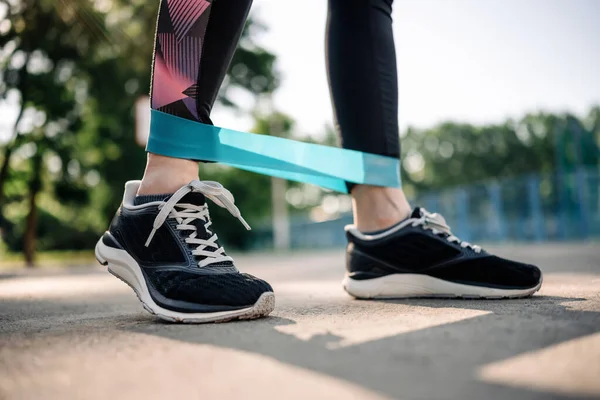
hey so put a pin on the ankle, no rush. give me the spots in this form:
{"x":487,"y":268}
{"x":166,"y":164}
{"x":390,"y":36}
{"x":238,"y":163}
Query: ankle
{"x":166,"y":174}
{"x":377,"y":208}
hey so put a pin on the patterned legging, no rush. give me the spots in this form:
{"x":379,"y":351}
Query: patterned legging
{"x":196,"y":39}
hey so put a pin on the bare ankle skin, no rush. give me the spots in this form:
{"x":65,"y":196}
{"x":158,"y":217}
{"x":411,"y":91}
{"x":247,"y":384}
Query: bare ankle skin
{"x":166,"y":174}
{"x":377,"y":208}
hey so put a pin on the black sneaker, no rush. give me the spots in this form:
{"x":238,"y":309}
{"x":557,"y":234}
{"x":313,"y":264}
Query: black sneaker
{"x":419,"y":257}
{"x":162,"y":247}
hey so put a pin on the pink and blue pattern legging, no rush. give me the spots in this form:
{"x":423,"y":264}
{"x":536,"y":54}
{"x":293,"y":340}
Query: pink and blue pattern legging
{"x":196,"y":39}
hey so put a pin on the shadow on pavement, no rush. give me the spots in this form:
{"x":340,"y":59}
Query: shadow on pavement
{"x":436,"y":362}
{"x":8,"y":275}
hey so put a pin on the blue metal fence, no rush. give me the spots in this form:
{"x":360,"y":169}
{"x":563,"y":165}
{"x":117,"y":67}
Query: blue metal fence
{"x":536,"y":207}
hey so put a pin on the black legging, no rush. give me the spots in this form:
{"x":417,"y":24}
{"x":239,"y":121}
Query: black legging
{"x":196,"y":41}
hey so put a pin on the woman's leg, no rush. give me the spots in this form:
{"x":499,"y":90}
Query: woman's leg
{"x":418,"y":257}
{"x":195,"y":42}
{"x":361,"y":63}
{"x":169,"y":252}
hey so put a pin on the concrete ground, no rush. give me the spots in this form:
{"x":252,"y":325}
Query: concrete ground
{"x":81,"y":334}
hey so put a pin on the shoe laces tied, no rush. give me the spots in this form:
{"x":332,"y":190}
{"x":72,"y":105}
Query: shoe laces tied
{"x":190,"y":212}
{"x":437,"y":224}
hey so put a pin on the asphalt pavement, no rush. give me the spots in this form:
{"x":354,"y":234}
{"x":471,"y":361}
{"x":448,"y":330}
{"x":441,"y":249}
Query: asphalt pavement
{"x":79,"y":333}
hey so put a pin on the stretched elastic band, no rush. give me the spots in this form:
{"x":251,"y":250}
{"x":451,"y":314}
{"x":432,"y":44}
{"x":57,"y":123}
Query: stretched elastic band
{"x":328,"y":167}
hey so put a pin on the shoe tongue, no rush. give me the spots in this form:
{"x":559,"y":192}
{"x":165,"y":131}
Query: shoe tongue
{"x":417,"y":212}
{"x":149,"y":198}
{"x":198,"y":199}
{"x":194,"y":198}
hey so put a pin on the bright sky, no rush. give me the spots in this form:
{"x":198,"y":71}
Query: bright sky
{"x":471,"y":60}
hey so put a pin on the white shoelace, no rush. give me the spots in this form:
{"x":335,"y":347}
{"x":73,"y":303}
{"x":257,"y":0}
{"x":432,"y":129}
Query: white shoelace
{"x":437,"y":224}
{"x":190,"y":212}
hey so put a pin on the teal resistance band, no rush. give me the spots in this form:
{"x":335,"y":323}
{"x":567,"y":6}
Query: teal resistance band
{"x":328,"y":167}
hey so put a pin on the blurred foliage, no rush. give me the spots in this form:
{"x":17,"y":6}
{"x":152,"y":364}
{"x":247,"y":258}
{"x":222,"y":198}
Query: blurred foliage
{"x":452,"y":154}
{"x":75,"y":68}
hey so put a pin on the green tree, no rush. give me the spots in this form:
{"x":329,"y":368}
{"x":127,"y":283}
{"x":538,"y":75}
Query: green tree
{"x":78,"y":69}
{"x":40,"y":53}
{"x":452,"y":154}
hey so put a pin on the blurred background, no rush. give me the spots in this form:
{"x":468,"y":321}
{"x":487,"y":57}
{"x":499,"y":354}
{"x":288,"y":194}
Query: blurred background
{"x":499,"y":112}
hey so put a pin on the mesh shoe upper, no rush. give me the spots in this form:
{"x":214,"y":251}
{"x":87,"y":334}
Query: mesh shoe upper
{"x":181,"y":258}
{"x":416,"y":247}
{"x":233,"y":289}
{"x":491,"y":271}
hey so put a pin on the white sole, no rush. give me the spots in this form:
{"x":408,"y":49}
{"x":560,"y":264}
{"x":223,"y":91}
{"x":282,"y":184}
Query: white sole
{"x":416,"y":285}
{"x":124,"y":267}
